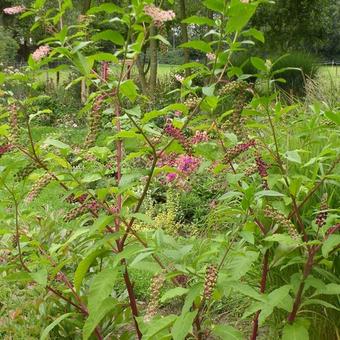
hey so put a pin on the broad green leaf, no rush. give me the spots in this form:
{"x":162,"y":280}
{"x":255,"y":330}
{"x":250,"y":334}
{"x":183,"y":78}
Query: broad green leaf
{"x":183,"y":325}
{"x":101,"y":287}
{"x":58,"y":144}
{"x":198,"y":45}
{"x":40,"y":276}
{"x":215,"y":5}
{"x":332,"y":242}
{"x":174,"y":292}
{"x":56,"y":322}
{"x":239,"y":16}
{"x":101,"y":222}
{"x":282,"y":239}
{"x":103,"y":56}
{"x":253,"y":32}
{"x":259,"y":63}
{"x":83,"y":267}
{"x":293,"y":156}
{"x":109,"y":35}
{"x":199,"y":21}
{"x":333,"y":116}
{"x":226,"y":332}
{"x":96,"y":316}
{"x":268,"y":193}
{"x":155,"y":326}
{"x":296,"y":331}
{"x":106,"y":7}
{"x":129,"y":89}
{"x":89,"y":178}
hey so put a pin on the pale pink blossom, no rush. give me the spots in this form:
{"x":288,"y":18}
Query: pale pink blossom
{"x":179,"y":78}
{"x":245,"y":1}
{"x":41,"y":52}
{"x":178,"y":113}
{"x":211,"y":56}
{"x":14,"y":10}
{"x":158,"y":15}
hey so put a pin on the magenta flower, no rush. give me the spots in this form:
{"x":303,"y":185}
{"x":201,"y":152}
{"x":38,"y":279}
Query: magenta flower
{"x":187,"y":164}
{"x":171,"y":177}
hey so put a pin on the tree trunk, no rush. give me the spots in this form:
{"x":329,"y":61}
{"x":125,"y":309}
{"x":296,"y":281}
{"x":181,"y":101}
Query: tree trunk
{"x":184,"y":33}
{"x":153,"y":60}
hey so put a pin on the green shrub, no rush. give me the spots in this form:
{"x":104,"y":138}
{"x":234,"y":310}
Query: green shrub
{"x":8,"y":48}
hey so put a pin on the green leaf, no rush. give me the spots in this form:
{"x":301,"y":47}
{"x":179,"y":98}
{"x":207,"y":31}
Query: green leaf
{"x":226,"y":332}
{"x":110,"y":35}
{"x":91,"y":178}
{"x":106,"y":7}
{"x":104,"y":57}
{"x":58,"y":144}
{"x":57,"y":321}
{"x":101,"y":222}
{"x":160,"y":38}
{"x":333,"y":116}
{"x":95,"y":317}
{"x":259,"y":63}
{"x":101,"y":287}
{"x":282,"y":239}
{"x":83,"y":267}
{"x":293,"y":156}
{"x":155,"y":326}
{"x":268,"y":193}
{"x":199,"y":21}
{"x":174,"y":292}
{"x":331,"y":242}
{"x":215,"y":5}
{"x":40,"y":276}
{"x":253,"y":32}
{"x":197,"y":45}
{"x":296,"y":331}
{"x":330,"y":289}
{"x":183,"y":325}
{"x":129,"y":89}
{"x":239,"y":16}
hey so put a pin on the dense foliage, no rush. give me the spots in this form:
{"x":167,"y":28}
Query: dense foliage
{"x":206,"y":206}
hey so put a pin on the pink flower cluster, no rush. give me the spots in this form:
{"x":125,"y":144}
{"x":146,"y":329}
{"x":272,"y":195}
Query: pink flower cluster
{"x":158,"y":15}
{"x":179,"y":78}
{"x":41,"y":52}
{"x":14,"y":10}
{"x":200,"y":137}
{"x":185,"y":164}
{"x":211,"y":56}
{"x":262,"y":169}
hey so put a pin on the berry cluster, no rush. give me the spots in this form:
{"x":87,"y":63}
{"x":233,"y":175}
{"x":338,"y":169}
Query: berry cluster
{"x":191,"y":102}
{"x":262,"y":169}
{"x":210,"y":281}
{"x":42,"y":182}
{"x":321,"y":217}
{"x":5,"y":148}
{"x":155,"y":290}
{"x":177,"y":134}
{"x":232,"y":153}
{"x":283,"y":221}
{"x":26,"y":171}
{"x":94,"y":121}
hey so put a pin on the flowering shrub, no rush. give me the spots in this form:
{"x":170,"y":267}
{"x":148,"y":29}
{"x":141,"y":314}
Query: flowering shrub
{"x":71,"y":212}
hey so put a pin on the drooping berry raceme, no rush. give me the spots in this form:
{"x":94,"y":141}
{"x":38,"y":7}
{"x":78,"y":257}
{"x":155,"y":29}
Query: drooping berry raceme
{"x":232,"y":153}
{"x":41,"y":52}
{"x":199,"y":137}
{"x":26,"y":171}
{"x":94,"y":121}
{"x":13,"y":124}
{"x":262,"y":169}
{"x":210,"y":281}
{"x":14,"y":10}
{"x":155,"y":290}
{"x":5,"y":148}
{"x":177,"y":134}
{"x":283,"y":221}
{"x":321,"y":217}
{"x":158,"y":15}
{"x":42,"y":182}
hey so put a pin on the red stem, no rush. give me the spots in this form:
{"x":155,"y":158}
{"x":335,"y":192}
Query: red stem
{"x":265,"y":270}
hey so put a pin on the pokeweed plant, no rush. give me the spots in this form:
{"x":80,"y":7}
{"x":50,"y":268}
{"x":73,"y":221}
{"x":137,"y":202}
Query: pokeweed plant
{"x":279,"y":166}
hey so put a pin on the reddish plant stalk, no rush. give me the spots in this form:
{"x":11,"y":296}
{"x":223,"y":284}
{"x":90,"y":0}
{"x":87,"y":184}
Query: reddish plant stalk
{"x":119,"y":155}
{"x":265,"y":270}
{"x":307,"y":269}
